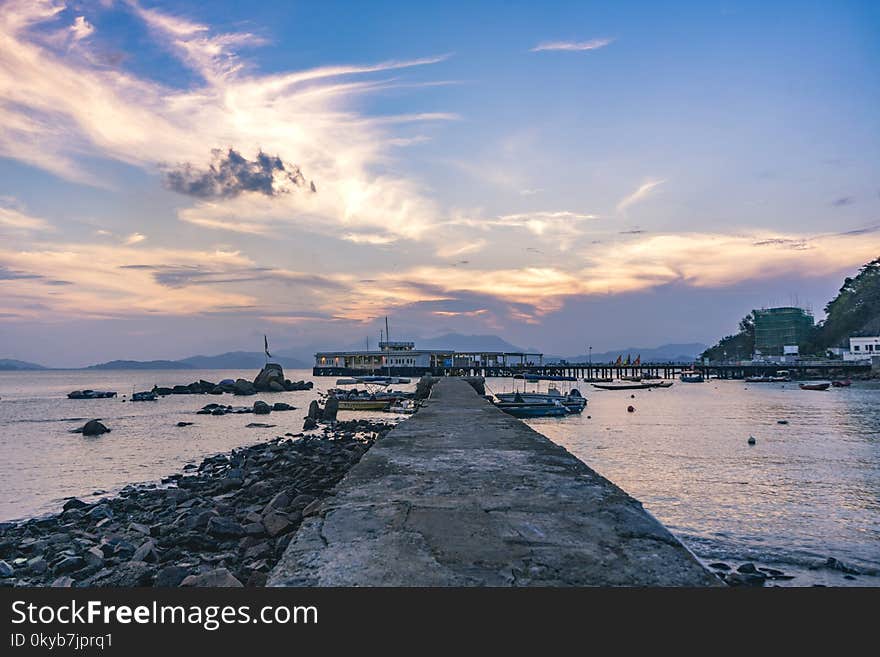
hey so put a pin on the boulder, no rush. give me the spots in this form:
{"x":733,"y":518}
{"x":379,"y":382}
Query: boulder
{"x":73,"y":503}
{"x":224,"y":527}
{"x":309,"y":424}
{"x":6,"y":570}
{"x":243,"y":387}
{"x":276,"y":523}
{"x":281,"y":406}
{"x":262,"y":408}
{"x":220,"y":577}
{"x":275,"y":386}
{"x":128,"y":574}
{"x":271,"y":373}
{"x":331,"y":408}
{"x":94,"y":428}
{"x":146,"y":553}
{"x":314,"y":410}
{"x":171,"y":576}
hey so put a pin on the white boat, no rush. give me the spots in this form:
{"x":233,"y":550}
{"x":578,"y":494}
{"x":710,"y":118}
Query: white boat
{"x":691,"y":376}
{"x":573,"y":402}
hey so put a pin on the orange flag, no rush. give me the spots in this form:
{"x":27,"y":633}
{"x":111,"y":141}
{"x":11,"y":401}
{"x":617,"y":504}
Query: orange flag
{"x":619,"y":359}
{"x":638,"y":360}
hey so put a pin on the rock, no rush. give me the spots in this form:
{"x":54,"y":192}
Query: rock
{"x":128,"y":574}
{"x":220,"y":526}
{"x":275,"y":386}
{"x":63,"y":582}
{"x":630,"y":409}
{"x":94,"y":428}
{"x":68,"y":564}
{"x":146,"y":553}
{"x":771,"y":572}
{"x":219,"y":577}
{"x":170,"y":576}
{"x":254,"y":529}
{"x":276,"y":523}
{"x":309,"y":424}
{"x":719,"y":565}
{"x":37,"y":565}
{"x":836,"y":564}
{"x":280,"y":501}
{"x":331,"y":408}
{"x":185,"y":424}
{"x":747,"y":568}
{"x":271,"y":373}
{"x":281,"y":406}
{"x":259,"y":425}
{"x":751,"y":440}
{"x":312,"y":509}
{"x":94,"y":556}
{"x":314,"y":411}
{"x":6,"y":570}
{"x":139,"y":528}
{"x":243,"y":387}
{"x":73,"y":503}
{"x":257,"y":578}
{"x":258,"y":551}
{"x":262,"y":408}
{"x":99,"y":511}
{"x":745,"y":579}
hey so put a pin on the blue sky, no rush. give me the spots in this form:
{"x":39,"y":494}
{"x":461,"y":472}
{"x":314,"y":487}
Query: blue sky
{"x":626,"y":173}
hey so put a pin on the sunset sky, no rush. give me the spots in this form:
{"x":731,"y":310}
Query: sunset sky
{"x":181,"y":178}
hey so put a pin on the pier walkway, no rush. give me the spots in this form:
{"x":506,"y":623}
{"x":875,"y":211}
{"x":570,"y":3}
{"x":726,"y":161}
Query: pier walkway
{"x":462,"y":494}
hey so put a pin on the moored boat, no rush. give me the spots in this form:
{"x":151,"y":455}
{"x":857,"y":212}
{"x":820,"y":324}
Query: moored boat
{"x":846,"y":383}
{"x":364,"y":404}
{"x":573,"y":402}
{"x":814,"y":386}
{"x":691,"y":376}
{"x":624,"y":386}
{"x":527,"y":409}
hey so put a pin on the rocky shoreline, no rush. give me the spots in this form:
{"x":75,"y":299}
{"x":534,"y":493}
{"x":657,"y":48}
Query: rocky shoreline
{"x":223,"y":523}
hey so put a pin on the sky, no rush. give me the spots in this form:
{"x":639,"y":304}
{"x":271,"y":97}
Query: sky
{"x":181,"y":178}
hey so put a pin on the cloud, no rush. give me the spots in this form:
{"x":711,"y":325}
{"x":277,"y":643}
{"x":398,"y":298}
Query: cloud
{"x":231,"y":174}
{"x":572,"y":46}
{"x":17,"y":221}
{"x":134,"y":238}
{"x":843,"y":201}
{"x":62,"y":108}
{"x":639,"y":195}
{"x":81,"y":28}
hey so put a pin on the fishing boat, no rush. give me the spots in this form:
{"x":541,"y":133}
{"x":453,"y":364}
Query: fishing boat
{"x":573,"y":401}
{"x":814,"y":386}
{"x":846,"y":383}
{"x":691,"y":376}
{"x":624,"y":386}
{"x":529,"y":409}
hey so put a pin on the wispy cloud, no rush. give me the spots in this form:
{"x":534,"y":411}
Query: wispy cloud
{"x":134,"y":238}
{"x":572,"y":46}
{"x":639,"y":195}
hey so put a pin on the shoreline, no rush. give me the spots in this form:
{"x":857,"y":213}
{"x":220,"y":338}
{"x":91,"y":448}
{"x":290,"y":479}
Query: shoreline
{"x":225,"y":522}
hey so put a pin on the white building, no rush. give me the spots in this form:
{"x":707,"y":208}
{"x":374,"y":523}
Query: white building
{"x":863,"y":348}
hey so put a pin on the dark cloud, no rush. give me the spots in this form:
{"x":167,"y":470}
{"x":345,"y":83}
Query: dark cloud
{"x":797,"y":245}
{"x":842,"y":201}
{"x":7,"y":274}
{"x":231,"y":174}
{"x":631,"y":232}
{"x":861,"y":231}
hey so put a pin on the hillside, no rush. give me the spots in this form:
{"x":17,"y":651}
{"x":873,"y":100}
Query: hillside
{"x":233,"y":360}
{"x":667,"y":353}
{"x":140,"y":365}
{"x":7,"y":364}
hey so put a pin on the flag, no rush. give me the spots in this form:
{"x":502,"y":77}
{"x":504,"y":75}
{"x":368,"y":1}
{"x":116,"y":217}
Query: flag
{"x":638,"y":360}
{"x":266,"y":346}
{"x":619,"y":359}
{"x":627,"y":360}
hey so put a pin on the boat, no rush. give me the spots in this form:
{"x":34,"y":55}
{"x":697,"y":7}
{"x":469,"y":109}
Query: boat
{"x":691,"y":376}
{"x":548,"y":377}
{"x":90,"y":394}
{"x":149,"y":395}
{"x":573,"y":402}
{"x":814,"y":386}
{"x":846,"y":383}
{"x":624,"y":386}
{"x":364,"y":404}
{"x":528,"y":409}
{"x":661,"y":384}
{"x":405,"y":407}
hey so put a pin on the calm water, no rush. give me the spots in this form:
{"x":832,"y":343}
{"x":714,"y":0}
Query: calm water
{"x":41,"y":462}
{"x":806,"y":491}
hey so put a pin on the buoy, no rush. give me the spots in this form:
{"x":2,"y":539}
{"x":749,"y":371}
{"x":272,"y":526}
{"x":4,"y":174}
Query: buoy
{"x":752,"y":440}
{"x":781,"y":421}
{"x":630,"y":409}
{"x":589,"y":417}
{"x":632,"y":396}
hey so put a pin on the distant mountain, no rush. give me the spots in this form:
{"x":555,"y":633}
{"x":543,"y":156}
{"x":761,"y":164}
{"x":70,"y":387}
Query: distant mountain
{"x":241,"y":360}
{"x":11,"y":364}
{"x":141,"y":365}
{"x":667,"y":353}
{"x":233,"y":360}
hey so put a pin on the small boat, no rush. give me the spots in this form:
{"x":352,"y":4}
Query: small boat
{"x":548,"y":377}
{"x":661,"y":384}
{"x":846,"y":383}
{"x":814,"y":386}
{"x":149,"y":395}
{"x":691,"y":376}
{"x":624,"y":386}
{"x":528,"y":409}
{"x":90,"y":394}
{"x":573,"y":402}
{"x":364,"y":404}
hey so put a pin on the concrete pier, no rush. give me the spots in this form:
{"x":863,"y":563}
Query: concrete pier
{"x":462,"y":494}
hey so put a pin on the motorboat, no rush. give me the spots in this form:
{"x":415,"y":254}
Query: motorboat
{"x":532,"y":409}
{"x":148,"y":395}
{"x":691,"y":376}
{"x":573,"y":401}
{"x":364,"y":404}
{"x":814,"y":386}
{"x":624,"y":386}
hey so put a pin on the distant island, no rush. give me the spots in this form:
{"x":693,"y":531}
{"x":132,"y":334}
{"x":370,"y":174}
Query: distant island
{"x":233,"y":360}
{"x":8,"y":365}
